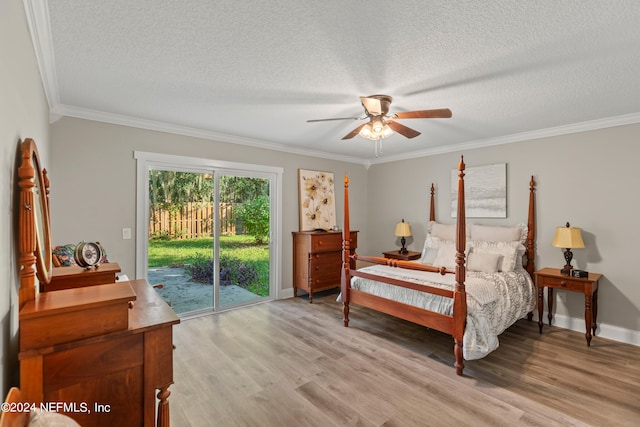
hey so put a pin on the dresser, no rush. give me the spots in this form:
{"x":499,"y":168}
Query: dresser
{"x":104,"y":351}
{"x":98,"y":351}
{"x":317,"y":260}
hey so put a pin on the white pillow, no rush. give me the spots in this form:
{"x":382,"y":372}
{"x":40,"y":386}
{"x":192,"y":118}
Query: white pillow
{"x":484,"y":262}
{"x":511,"y":252}
{"x":490,"y":233}
{"x":430,"y":249}
{"x":446,"y":256}
{"x":443,"y":231}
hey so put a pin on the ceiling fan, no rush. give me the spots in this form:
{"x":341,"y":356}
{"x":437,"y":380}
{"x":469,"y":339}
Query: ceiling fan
{"x":381,"y":124}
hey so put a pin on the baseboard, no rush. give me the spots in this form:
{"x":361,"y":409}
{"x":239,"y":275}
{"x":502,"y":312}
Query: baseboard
{"x":604,"y":330}
{"x":286,"y":293}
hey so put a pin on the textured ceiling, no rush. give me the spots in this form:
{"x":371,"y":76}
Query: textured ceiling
{"x":253,"y":72}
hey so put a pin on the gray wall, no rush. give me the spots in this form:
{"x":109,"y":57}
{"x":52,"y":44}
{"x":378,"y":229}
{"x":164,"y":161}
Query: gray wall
{"x":588,"y":179}
{"x":581,"y":178}
{"x":93,"y":190}
{"x":23,"y":114}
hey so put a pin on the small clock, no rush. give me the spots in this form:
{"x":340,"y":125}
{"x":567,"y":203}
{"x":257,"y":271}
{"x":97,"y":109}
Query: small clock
{"x":87,"y":254}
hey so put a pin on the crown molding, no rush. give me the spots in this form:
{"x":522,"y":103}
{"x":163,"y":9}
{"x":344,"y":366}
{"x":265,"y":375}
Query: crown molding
{"x":37,"y":14}
{"x":118,"y":119}
{"x":608,"y":122}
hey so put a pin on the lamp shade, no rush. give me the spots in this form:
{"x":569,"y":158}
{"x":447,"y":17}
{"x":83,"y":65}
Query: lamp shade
{"x":403,"y":229}
{"x":568,"y":238}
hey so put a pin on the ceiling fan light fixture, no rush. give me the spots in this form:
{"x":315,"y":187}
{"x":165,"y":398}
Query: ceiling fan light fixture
{"x":366,"y":131}
{"x":377,"y":126}
{"x":370,"y":131}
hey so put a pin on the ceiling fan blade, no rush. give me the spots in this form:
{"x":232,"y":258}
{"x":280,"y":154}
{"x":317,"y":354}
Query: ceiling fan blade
{"x":337,"y":118}
{"x":442,"y":113}
{"x":354,"y":132}
{"x":403,"y":130}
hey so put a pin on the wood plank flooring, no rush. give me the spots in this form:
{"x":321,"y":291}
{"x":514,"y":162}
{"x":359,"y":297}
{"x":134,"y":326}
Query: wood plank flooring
{"x":291,"y":363}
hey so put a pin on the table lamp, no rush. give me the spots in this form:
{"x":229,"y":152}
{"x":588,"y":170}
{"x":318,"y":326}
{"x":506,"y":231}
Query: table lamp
{"x":403,"y":230}
{"x":568,"y":238}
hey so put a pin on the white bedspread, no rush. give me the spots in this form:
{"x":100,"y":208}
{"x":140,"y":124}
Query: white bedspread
{"x":494,"y":300}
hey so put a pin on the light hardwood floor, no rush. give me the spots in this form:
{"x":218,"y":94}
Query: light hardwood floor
{"x":291,"y":363}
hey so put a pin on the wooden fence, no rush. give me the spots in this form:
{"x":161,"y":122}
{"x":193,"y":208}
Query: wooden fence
{"x":193,"y":220}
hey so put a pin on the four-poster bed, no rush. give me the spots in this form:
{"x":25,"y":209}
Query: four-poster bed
{"x":492,"y":287}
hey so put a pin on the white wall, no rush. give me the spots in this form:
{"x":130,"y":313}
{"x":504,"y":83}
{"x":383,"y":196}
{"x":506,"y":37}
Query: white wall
{"x":93,"y":183}
{"x":589,"y":179}
{"x":23,"y":114}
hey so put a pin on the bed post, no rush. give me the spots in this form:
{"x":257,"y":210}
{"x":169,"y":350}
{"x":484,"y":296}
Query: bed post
{"x":531,"y":225}
{"x":531,"y":233}
{"x":460,"y":295}
{"x":346,"y":252}
{"x":432,"y":208}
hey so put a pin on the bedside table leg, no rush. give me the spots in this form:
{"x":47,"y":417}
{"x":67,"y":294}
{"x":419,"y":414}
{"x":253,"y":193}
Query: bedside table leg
{"x":550,"y":303}
{"x":588,"y":316}
{"x":595,"y":312}
{"x":540,"y":306}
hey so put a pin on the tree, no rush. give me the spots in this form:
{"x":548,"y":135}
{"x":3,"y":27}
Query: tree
{"x":171,"y":188}
{"x":237,"y":189}
{"x":255,"y":218}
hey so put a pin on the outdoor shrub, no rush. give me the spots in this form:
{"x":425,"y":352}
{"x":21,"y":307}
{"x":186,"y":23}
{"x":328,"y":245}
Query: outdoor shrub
{"x":232,"y":271}
{"x":255,"y":218}
{"x":200,"y":268}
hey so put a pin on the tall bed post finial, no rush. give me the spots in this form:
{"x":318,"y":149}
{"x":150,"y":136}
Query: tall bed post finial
{"x":432,"y":207}
{"x":345,"y":277}
{"x":460,"y":295}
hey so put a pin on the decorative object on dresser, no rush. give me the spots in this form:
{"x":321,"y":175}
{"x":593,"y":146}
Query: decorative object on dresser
{"x":317,"y":200}
{"x":87,"y":343}
{"x":498,"y":298}
{"x":87,"y":254}
{"x":403,"y":230}
{"x":551,"y":278}
{"x":317,"y":260}
{"x":568,"y":238}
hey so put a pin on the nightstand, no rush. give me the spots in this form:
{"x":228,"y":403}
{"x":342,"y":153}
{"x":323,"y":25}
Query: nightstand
{"x":552,"y":278}
{"x":409,"y":256}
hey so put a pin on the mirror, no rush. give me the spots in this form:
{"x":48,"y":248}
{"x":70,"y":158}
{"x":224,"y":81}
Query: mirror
{"x":34,"y":233}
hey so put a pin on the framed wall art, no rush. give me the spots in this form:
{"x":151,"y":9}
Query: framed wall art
{"x":317,"y":200}
{"x":485,"y":191}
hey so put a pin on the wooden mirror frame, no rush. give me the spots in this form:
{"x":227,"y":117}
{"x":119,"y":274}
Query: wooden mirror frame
{"x":34,"y":228}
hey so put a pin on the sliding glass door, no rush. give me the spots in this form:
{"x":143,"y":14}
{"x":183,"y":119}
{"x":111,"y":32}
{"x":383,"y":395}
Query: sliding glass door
{"x":208,"y":233}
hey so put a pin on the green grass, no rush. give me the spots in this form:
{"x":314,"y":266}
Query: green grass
{"x":177,"y":253}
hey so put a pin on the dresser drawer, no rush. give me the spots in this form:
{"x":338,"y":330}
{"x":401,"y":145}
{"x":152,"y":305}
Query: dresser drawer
{"x":326,"y":242}
{"x":561,"y":283}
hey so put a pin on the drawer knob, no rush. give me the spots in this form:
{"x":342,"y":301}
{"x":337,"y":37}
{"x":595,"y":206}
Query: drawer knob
{"x":563,"y":284}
